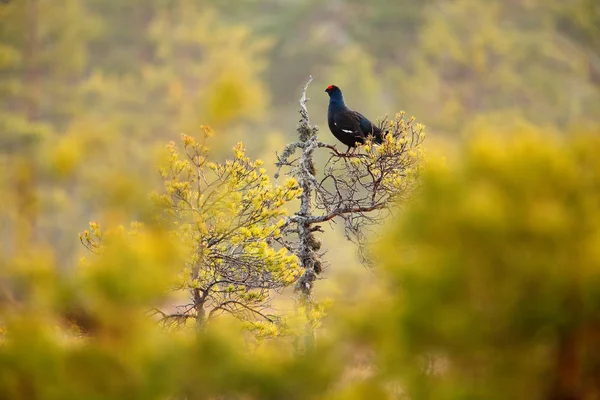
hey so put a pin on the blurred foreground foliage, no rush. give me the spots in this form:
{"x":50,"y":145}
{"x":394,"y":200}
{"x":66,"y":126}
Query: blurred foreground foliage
{"x":488,"y":288}
{"x":497,"y":272}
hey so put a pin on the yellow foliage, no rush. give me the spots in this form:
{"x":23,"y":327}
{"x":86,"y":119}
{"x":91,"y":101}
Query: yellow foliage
{"x":229,"y":215}
{"x":490,"y":276}
{"x":488,"y":289}
{"x":497,"y":273}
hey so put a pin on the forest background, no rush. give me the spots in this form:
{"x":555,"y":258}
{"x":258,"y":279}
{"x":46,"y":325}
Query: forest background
{"x":91,"y":92}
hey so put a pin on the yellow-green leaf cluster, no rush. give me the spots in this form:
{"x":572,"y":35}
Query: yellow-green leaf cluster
{"x":229,"y":215}
{"x":496,"y":270}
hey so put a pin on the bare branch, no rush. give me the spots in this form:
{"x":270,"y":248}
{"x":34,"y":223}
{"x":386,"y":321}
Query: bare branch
{"x":357,"y":188}
{"x":343,"y":211}
{"x":224,"y":307}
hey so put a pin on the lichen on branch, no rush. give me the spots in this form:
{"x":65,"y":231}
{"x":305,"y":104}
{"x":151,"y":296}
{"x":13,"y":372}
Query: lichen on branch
{"x":360,"y":188}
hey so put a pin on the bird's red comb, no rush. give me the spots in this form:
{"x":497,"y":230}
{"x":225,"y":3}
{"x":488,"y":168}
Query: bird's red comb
{"x":329,"y":87}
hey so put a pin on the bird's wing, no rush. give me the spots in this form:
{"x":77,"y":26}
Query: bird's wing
{"x":368,"y":128}
{"x":349,"y":123}
{"x":365,"y":125}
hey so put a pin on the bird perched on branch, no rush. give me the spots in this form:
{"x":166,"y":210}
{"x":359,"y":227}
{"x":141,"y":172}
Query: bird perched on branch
{"x":349,"y":127}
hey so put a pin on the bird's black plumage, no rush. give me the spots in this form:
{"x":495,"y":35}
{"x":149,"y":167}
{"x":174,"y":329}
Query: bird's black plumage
{"x":349,"y":127}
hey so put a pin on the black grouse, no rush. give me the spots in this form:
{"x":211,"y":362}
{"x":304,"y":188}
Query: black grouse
{"x":349,"y":127}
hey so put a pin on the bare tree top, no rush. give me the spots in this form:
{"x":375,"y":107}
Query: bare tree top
{"x":358,"y":188}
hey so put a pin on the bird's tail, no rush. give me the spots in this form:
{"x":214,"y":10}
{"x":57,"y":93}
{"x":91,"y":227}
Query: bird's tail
{"x":378,"y":136}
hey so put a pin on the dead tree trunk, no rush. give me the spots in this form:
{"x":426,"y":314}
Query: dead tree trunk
{"x":300,"y":224}
{"x":358,"y":188}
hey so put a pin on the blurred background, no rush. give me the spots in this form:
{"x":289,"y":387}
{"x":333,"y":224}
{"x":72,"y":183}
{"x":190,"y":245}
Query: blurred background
{"x":493,"y":272}
{"x":91,"y":90}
